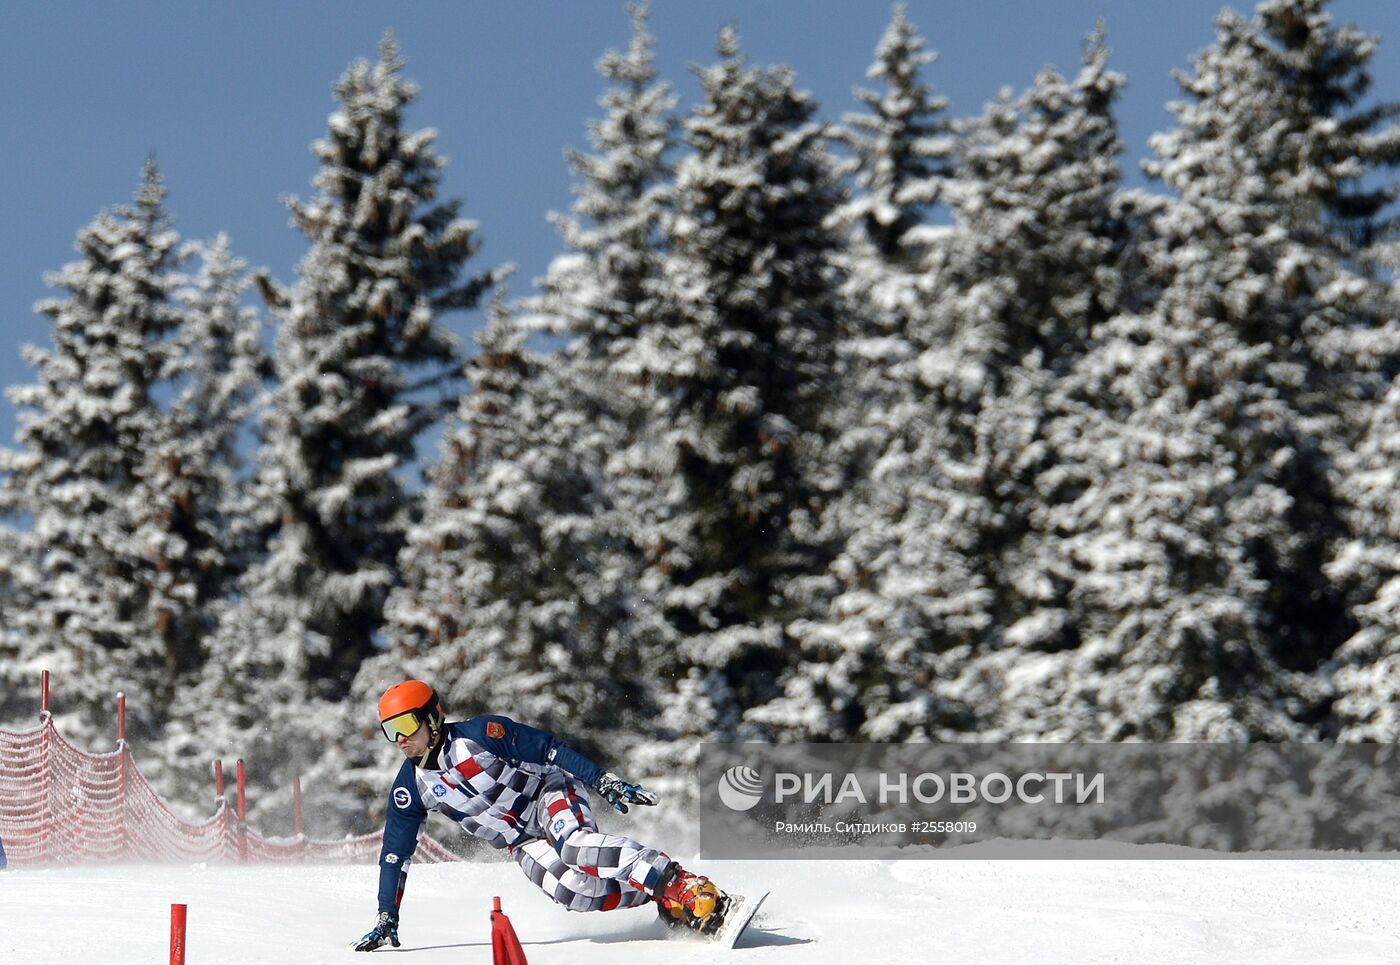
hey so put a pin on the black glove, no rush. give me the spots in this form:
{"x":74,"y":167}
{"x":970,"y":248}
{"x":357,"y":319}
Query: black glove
{"x":619,"y":793}
{"x":386,"y":929}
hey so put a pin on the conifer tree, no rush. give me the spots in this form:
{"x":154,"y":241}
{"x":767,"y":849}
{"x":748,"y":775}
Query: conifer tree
{"x":903,"y":164}
{"x":742,"y":372}
{"x":601,"y":295}
{"x":77,"y":474}
{"x":949,"y":575}
{"x":1334,"y":136}
{"x":1037,"y":269}
{"x":603,"y":291}
{"x":194,"y":522}
{"x":1336,"y":148}
{"x":359,"y":350}
{"x":520,"y":579}
{"x":866,"y":669}
{"x":903,"y":148}
{"x":491,"y":606}
{"x":1364,"y":675}
{"x":200,"y":517}
{"x":1297,"y":286}
{"x":1203,"y":537}
{"x":363,"y":368}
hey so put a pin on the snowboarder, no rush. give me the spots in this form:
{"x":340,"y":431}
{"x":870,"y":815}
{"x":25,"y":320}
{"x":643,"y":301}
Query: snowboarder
{"x":519,"y":788}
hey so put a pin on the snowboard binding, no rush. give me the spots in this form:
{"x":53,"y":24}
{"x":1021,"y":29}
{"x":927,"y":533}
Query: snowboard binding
{"x":690,"y":901}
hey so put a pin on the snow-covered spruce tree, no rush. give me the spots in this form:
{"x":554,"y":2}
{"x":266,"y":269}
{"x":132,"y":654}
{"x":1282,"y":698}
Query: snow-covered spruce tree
{"x":509,"y":602}
{"x":519,"y":588}
{"x":1335,"y":135}
{"x":1169,"y":604}
{"x":1342,"y":147}
{"x":19,"y":680}
{"x":1036,"y":267}
{"x":600,"y":295}
{"x":602,"y":292}
{"x":1297,"y":285}
{"x":901,"y":164}
{"x":1365,"y":673}
{"x":199,"y":521}
{"x":76,"y":476}
{"x":1214,"y":417}
{"x":742,"y":376}
{"x":193,"y":525}
{"x":361,"y":364}
{"x":495,"y":608}
{"x":865,"y":670}
{"x":902,"y":152}
{"x":224,"y":366}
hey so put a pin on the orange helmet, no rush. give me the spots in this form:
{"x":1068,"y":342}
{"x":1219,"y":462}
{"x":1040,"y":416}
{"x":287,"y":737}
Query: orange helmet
{"x":407,"y":706}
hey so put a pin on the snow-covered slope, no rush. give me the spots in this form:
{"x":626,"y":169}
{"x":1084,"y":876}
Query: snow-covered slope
{"x":838,"y":912}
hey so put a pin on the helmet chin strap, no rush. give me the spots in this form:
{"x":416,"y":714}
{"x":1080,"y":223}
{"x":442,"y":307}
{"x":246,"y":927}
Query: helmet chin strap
{"x":435,"y":736}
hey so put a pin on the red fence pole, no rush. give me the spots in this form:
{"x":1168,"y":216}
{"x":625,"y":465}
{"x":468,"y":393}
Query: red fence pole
{"x":242,"y":813}
{"x":45,"y":766}
{"x":124,"y":841}
{"x":221,"y":808}
{"x":296,"y":816}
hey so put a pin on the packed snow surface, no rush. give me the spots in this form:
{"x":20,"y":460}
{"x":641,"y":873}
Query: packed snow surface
{"x":839,"y":912}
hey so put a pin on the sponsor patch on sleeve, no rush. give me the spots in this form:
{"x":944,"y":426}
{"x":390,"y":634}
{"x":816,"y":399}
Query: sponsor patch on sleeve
{"x":402,"y":798}
{"x":495,"y":729}
{"x":391,"y":859}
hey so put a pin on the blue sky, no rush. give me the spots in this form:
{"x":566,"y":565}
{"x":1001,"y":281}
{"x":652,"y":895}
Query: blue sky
{"x":229,"y":97}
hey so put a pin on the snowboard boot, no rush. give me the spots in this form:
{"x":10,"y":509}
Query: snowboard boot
{"x":688,"y":900}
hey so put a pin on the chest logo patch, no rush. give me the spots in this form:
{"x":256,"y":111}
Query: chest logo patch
{"x":402,"y":798}
{"x":493,"y":729}
{"x":439,"y":790}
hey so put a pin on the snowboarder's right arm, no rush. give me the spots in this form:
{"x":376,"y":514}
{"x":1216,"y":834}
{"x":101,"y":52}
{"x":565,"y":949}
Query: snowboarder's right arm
{"x":402,"y":821}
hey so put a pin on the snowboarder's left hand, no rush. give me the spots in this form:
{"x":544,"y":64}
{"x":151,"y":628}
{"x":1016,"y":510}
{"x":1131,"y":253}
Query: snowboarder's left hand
{"x":619,"y":793}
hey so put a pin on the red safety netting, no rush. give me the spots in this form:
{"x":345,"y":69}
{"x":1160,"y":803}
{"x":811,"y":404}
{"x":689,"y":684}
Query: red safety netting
{"x":62,"y":805}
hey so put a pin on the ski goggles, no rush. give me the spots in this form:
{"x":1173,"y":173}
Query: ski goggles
{"x":403,"y":725}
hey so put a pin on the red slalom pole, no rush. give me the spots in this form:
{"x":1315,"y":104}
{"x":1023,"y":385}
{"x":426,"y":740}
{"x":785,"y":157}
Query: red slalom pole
{"x":177,"y":935}
{"x":505,"y":946}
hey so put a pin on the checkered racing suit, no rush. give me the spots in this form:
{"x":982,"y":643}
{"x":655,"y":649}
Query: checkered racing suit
{"x":521,"y":789}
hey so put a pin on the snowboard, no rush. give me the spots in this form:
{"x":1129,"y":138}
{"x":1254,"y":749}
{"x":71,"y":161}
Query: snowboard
{"x":737,"y":916}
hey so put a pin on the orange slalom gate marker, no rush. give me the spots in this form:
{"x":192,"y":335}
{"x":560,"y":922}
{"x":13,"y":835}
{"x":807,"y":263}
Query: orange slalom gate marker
{"x":505,"y":947}
{"x":177,"y":935}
